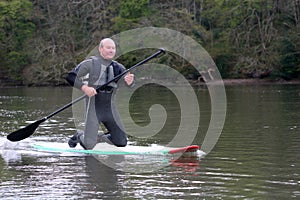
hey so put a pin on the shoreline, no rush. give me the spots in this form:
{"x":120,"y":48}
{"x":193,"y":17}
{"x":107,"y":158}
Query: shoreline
{"x":250,"y":81}
{"x":259,"y":82}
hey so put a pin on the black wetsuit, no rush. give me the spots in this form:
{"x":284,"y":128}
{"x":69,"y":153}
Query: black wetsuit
{"x":101,"y":107}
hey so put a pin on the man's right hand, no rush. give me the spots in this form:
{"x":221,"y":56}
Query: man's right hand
{"x":89,"y":91}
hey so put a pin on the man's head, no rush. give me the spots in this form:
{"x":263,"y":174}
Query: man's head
{"x":107,"y":48}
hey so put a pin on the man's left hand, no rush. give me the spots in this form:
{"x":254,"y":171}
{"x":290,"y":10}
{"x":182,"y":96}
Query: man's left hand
{"x":129,"y":78}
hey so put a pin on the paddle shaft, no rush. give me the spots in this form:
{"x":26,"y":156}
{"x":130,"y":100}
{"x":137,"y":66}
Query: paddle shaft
{"x":104,"y":85}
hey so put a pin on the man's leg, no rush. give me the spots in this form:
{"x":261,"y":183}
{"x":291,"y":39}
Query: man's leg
{"x":108,"y":114}
{"x":89,"y":138}
{"x":115,"y":128}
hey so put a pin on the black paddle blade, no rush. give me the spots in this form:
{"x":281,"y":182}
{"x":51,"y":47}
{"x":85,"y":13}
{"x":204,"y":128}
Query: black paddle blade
{"x":25,"y":132}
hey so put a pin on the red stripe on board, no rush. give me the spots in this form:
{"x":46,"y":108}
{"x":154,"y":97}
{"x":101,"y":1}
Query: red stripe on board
{"x":184,"y":149}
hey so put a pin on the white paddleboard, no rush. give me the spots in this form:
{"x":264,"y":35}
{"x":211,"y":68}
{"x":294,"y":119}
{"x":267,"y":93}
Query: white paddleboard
{"x":107,"y":149}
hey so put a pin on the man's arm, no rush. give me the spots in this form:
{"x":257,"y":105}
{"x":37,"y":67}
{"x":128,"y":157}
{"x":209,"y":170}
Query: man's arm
{"x":75,"y":76}
{"x":128,"y":78}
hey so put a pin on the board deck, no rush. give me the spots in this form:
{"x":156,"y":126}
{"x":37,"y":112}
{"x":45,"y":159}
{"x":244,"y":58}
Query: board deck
{"x":107,"y":149}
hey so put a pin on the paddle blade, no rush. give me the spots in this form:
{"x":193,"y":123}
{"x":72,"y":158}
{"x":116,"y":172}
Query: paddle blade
{"x":25,"y":132}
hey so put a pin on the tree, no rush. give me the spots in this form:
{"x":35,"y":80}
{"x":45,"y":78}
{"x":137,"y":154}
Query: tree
{"x":42,"y":40}
{"x":16,"y":28}
{"x":66,"y":32}
{"x":289,"y":42}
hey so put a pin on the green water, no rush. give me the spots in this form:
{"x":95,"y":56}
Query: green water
{"x":256,"y":157}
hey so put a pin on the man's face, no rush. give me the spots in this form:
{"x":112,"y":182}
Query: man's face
{"x":108,"y":49}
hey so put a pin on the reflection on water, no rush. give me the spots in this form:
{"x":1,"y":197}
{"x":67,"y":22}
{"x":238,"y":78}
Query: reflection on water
{"x":256,"y":157}
{"x":70,"y":175}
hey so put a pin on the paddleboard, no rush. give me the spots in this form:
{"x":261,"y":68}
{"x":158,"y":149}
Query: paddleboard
{"x":107,"y":149}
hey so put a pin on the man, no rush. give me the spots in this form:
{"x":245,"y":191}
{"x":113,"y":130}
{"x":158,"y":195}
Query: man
{"x":100,"y":108}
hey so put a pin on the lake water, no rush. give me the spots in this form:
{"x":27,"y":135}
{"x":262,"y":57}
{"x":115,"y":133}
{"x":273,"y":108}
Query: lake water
{"x":256,"y":157}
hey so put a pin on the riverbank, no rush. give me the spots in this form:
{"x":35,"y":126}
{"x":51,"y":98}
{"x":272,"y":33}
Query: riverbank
{"x":258,"y":81}
{"x":251,"y":82}
{"x":225,"y":81}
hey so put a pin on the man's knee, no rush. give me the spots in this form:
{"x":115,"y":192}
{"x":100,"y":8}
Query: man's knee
{"x":88,"y":144}
{"x":88,"y":147}
{"x":121,"y":143}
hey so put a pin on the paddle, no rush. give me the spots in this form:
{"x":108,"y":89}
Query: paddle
{"x":29,"y":129}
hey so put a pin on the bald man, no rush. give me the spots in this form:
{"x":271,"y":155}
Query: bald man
{"x":100,"y":107}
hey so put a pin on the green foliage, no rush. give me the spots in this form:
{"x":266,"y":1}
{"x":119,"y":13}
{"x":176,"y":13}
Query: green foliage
{"x":130,"y":13}
{"x":290,"y":59}
{"x":15,"y":31}
{"x":246,"y":38}
{"x":255,"y":36}
{"x":15,"y":63}
{"x":131,"y":9}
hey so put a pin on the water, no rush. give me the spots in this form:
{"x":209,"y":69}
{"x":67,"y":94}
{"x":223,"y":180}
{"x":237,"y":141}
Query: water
{"x":256,"y":157}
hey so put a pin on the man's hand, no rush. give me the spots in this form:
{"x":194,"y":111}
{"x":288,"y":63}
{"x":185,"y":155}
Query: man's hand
{"x":89,"y":91}
{"x":129,"y":78}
